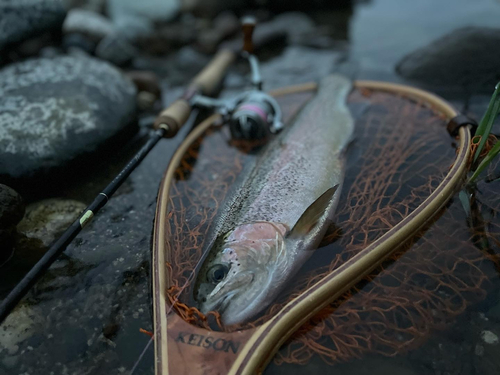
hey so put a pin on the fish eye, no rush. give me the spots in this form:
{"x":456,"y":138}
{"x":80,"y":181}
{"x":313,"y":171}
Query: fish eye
{"x":217,"y":273}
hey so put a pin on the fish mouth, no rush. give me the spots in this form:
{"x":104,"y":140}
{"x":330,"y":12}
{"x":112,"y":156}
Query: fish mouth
{"x":220,"y":306}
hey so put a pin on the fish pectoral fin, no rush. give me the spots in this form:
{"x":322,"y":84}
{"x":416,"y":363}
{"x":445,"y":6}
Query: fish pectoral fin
{"x":312,"y":214}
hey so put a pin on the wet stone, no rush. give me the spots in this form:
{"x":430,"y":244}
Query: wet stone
{"x":91,"y":24}
{"x":79,"y":42}
{"x":46,"y":220}
{"x":20,"y":20}
{"x":299,"y":65}
{"x":489,"y":337}
{"x":132,"y":26}
{"x":154,"y":10}
{"x":57,"y":110}
{"x":210,"y":8}
{"x":466,"y":58}
{"x":116,"y":49}
{"x":296,"y":25}
{"x":11,"y":207}
{"x":134,"y":19}
{"x":11,"y":212}
{"x":21,"y":324}
{"x":224,"y":26}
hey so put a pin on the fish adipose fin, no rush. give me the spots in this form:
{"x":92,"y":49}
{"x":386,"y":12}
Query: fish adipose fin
{"x":312,"y":215}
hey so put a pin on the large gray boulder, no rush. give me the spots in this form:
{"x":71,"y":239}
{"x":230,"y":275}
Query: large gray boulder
{"x":21,"y":19}
{"x":467,"y":58}
{"x":55,"y":110}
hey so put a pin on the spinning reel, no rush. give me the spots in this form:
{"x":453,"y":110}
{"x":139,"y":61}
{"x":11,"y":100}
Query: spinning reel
{"x":253,"y":114}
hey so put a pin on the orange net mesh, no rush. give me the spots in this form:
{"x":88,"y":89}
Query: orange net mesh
{"x":400,"y":155}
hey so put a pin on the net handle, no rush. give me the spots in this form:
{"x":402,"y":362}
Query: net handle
{"x":263,"y":344}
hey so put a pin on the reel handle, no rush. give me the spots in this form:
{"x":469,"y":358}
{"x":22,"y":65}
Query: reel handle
{"x":173,"y":118}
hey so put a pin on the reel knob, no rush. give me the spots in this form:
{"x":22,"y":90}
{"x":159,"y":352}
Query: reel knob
{"x":255,"y":116}
{"x":251,"y":121}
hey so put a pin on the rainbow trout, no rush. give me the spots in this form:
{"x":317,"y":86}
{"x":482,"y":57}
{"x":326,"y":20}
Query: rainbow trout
{"x":272,"y":223}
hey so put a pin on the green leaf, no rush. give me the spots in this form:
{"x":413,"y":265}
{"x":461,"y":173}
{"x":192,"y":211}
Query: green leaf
{"x":486,"y":123}
{"x":464,"y":199}
{"x":495,"y":150}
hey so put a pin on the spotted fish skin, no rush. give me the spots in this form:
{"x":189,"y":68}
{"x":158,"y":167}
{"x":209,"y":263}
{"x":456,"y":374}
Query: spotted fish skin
{"x":280,"y":210}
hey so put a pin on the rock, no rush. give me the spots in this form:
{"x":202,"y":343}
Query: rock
{"x":116,"y":49}
{"x":298,"y":65}
{"x":178,"y":67}
{"x":21,"y":324}
{"x":20,"y":20}
{"x":298,"y":27}
{"x":11,"y":361}
{"x":154,"y":10}
{"x":170,"y":37}
{"x":133,"y":27}
{"x":50,"y":52}
{"x":224,"y":26}
{"x":47,"y":219}
{"x":135,"y":19}
{"x":33,"y":46}
{"x":489,"y":337}
{"x":489,"y":361}
{"x":96,"y":6}
{"x":57,"y":110}
{"x":11,"y":207}
{"x":279,"y":6}
{"x":11,"y":212}
{"x":210,"y":8}
{"x":146,"y":81}
{"x":90,"y":24}
{"x":148,"y":87}
{"x":76,"y":44}
{"x":466,"y":58}
{"x":494,"y":312}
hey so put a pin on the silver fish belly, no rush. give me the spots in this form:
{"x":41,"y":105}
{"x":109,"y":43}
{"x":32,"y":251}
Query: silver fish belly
{"x":284,"y":203}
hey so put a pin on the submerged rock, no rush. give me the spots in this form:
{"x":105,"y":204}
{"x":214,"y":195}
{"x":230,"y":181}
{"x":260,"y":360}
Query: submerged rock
{"x":21,"y":324}
{"x":47,"y":219}
{"x":489,"y":337}
{"x":20,"y":20}
{"x":56,"y":110}
{"x":466,"y":58}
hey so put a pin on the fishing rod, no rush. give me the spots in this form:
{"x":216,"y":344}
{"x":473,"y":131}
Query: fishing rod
{"x":252,"y":114}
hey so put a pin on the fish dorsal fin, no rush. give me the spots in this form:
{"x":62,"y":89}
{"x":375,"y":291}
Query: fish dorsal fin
{"x":312,"y":214}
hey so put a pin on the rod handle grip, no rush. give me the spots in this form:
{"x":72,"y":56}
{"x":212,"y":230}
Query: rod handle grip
{"x":173,"y":118}
{"x":209,"y":79}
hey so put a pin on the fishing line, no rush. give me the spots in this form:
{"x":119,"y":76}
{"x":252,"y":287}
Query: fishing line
{"x":176,"y":299}
{"x":142,"y":355}
{"x":9,"y":258}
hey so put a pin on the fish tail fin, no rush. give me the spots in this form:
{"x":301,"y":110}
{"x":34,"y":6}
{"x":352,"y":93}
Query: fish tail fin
{"x":336,"y":88}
